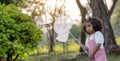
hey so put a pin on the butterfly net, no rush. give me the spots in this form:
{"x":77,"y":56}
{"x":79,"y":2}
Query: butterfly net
{"x":62,"y":27}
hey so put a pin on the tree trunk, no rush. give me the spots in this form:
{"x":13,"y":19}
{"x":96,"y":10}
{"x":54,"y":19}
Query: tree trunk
{"x":9,"y":55}
{"x":52,"y":43}
{"x":16,"y":57}
{"x":83,"y":14}
{"x":99,"y":9}
{"x":51,"y":40}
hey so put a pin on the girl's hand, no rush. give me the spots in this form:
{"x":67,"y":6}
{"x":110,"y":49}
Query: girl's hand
{"x":91,"y":57}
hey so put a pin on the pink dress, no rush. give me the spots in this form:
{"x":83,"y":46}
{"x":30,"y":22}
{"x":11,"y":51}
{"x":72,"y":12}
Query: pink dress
{"x":100,"y":54}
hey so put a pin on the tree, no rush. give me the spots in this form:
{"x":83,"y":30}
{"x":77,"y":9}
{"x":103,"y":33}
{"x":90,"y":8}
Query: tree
{"x":116,"y":27}
{"x":76,"y":31}
{"x":18,"y":33}
{"x":100,"y":9}
{"x":37,"y":9}
{"x":115,"y":20}
{"x":7,"y":2}
{"x":83,"y":14}
{"x":40,"y":8}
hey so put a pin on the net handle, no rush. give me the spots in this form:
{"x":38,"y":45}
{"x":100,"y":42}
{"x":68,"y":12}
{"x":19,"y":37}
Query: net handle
{"x":79,"y":44}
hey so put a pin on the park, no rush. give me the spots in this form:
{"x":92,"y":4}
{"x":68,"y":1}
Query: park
{"x":53,"y":30}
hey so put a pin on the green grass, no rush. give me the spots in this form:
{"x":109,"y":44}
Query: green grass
{"x":51,"y":57}
{"x":71,"y":50}
{"x":64,"y":56}
{"x":113,"y":57}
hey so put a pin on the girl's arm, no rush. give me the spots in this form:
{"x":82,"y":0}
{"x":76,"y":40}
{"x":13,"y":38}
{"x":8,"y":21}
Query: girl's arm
{"x":86,"y":48}
{"x":76,"y":41}
{"x":94,"y":51}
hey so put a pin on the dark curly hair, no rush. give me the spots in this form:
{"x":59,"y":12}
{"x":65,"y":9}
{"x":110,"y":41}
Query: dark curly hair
{"x":95,"y":21}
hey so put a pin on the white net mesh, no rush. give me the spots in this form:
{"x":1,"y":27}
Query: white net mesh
{"x":62,"y":26}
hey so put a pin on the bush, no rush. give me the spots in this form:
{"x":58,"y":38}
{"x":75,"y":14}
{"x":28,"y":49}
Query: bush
{"x":118,"y":41}
{"x":18,"y":33}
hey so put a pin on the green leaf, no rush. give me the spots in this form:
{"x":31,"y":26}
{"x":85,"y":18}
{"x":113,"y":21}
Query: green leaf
{"x":18,"y":32}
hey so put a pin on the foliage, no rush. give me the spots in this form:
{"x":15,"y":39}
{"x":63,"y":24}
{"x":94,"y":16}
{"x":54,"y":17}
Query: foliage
{"x":117,"y":27}
{"x":18,"y":33}
{"x":118,"y":41}
{"x":59,"y":54}
{"x":6,"y":2}
{"x":116,"y":20}
{"x":33,"y":8}
{"x":76,"y":31}
{"x":67,"y":56}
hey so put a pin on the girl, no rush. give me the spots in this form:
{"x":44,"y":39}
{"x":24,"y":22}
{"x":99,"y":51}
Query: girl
{"x":95,"y":40}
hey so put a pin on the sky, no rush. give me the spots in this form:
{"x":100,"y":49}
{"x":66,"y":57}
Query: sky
{"x":71,"y":7}
{"x":74,"y":10}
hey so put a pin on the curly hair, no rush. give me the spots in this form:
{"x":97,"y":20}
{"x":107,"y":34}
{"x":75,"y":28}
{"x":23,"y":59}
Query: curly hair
{"x":96,"y":23}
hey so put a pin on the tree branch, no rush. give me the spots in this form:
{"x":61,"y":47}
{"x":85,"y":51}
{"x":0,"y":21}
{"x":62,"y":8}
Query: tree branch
{"x":16,"y":57}
{"x":82,"y":9}
{"x":83,"y":13}
{"x":88,"y":1}
{"x":112,"y":8}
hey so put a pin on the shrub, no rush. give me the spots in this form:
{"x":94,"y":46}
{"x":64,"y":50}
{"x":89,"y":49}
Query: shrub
{"x":18,"y":33}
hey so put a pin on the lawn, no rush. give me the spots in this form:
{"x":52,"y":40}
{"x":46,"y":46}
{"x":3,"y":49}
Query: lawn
{"x":67,"y":56}
{"x":70,"y":51}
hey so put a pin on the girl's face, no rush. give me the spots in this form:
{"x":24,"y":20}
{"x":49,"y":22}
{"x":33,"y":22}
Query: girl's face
{"x":89,"y":28}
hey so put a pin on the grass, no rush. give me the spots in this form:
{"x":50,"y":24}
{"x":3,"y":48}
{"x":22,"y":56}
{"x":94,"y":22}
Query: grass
{"x":113,"y":57}
{"x":70,"y":51}
{"x":51,"y":57}
{"x":64,"y":56}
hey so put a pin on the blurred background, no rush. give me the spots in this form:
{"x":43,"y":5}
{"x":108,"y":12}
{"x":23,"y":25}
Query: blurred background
{"x":27,"y":32}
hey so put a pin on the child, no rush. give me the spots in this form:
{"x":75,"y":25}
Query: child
{"x":95,"y":40}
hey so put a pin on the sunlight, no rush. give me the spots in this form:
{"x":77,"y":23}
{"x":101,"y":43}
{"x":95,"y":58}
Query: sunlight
{"x":83,"y":2}
{"x":109,"y":3}
{"x":71,"y":8}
